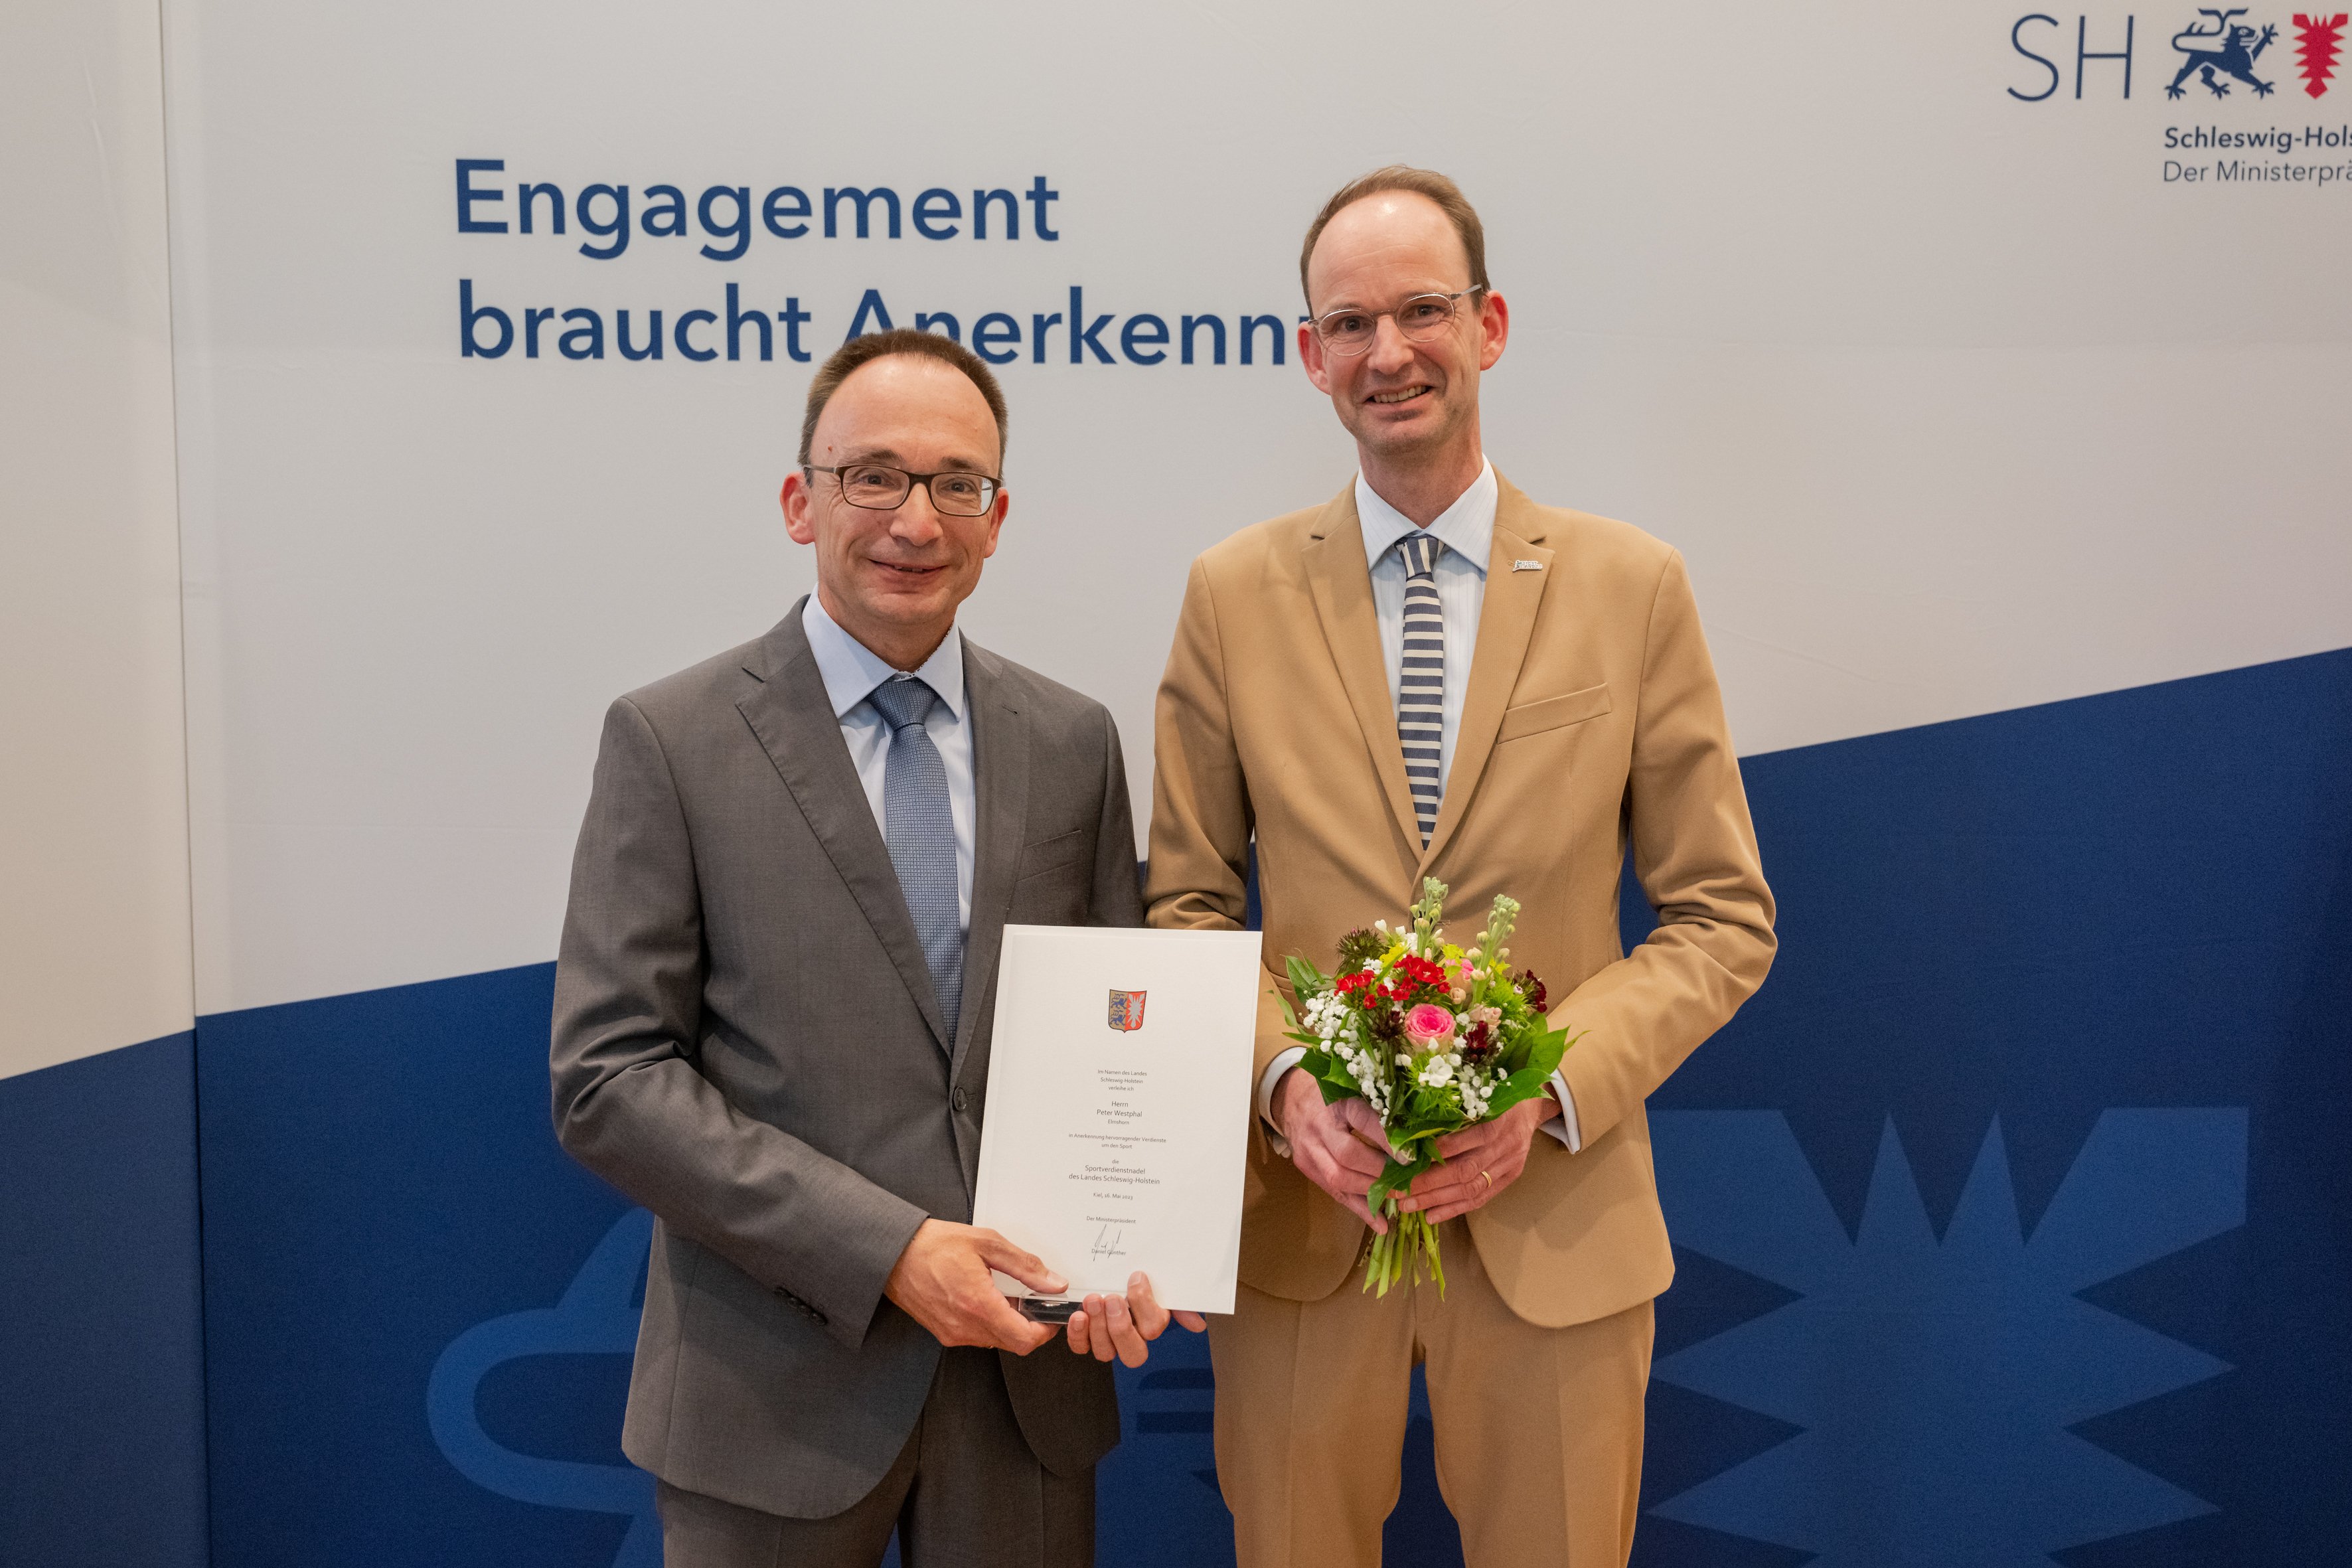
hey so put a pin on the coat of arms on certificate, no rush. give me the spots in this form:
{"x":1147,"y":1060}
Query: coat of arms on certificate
{"x":1127,"y":1011}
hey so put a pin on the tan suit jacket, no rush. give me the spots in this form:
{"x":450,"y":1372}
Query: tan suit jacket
{"x":1591,"y":721}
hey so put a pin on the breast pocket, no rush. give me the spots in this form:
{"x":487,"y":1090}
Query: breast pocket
{"x":1054,"y":854}
{"x":1055,"y":881}
{"x":1553,"y":713}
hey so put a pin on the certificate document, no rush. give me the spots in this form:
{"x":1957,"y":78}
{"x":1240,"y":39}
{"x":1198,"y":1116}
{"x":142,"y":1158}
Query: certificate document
{"x":1119,"y":1105}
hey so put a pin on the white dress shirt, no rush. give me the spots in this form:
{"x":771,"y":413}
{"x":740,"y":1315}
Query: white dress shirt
{"x":1467,"y":531}
{"x":851,"y":670}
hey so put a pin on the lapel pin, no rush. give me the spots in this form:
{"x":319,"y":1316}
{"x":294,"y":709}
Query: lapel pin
{"x":1526,"y":565}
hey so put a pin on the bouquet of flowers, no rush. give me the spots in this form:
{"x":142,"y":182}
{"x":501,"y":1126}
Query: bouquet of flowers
{"x":1436,"y":1038}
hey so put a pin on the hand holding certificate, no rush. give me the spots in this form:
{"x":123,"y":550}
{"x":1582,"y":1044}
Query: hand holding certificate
{"x":1118,"y":1089}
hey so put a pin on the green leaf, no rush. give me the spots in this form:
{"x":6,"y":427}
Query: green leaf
{"x":1330,"y":1074}
{"x":1305,"y":978}
{"x":1514,"y":1056}
{"x":1550,"y":1050}
{"x":1393,"y":1179}
{"x":1420,"y":1124}
{"x":1537,"y":1047}
{"x":1530,"y":1079}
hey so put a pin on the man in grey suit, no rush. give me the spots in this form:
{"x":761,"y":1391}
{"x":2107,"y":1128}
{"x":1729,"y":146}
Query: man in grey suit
{"x":772,"y":1023}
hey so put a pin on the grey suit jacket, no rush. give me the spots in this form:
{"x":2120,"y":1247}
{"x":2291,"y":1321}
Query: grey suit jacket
{"x":745,"y":1042}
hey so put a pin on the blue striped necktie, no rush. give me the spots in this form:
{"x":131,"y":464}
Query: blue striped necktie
{"x":918,"y":827}
{"x":1421,"y":684}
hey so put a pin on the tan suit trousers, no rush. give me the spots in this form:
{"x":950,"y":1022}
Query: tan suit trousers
{"x":1539,"y":1431}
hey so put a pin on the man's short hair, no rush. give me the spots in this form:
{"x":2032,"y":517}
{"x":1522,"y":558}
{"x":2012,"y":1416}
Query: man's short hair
{"x":1421,"y":183}
{"x":871,"y":346}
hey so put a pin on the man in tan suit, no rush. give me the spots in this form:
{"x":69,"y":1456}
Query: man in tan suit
{"x":1431,"y":674}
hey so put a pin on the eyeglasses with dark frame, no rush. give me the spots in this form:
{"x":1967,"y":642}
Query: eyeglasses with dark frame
{"x":1349,"y":330}
{"x":878,"y":487}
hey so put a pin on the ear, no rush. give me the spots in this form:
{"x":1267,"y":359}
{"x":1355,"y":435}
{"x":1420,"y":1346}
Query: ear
{"x":1310,"y":357}
{"x":996,"y":515}
{"x":800,"y":507}
{"x":1495,"y":328}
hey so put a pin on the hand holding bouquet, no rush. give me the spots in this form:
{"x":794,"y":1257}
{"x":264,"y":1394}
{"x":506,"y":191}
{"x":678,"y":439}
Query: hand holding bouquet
{"x":1434,"y":1039}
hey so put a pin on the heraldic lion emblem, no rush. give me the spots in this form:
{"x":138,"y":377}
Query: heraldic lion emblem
{"x":2227,"y":48}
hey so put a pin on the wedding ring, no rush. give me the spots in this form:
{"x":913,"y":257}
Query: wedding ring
{"x":1489,"y":1178}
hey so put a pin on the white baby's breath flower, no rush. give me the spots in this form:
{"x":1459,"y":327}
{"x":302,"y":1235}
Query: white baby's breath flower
{"x":1437,"y":1073}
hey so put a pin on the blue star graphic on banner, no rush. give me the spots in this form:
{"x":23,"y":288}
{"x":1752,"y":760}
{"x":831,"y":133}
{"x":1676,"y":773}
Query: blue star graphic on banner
{"x":1935,"y":1381}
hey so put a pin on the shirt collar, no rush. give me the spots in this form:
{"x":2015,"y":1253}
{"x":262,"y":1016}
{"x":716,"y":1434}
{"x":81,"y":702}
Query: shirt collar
{"x":852,"y":670}
{"x":1466,"y":528}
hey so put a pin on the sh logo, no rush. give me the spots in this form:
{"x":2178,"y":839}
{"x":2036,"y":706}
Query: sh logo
{"x":2216,"y":49}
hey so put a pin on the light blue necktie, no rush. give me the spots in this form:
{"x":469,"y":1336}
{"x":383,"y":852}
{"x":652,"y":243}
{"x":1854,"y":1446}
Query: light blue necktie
{"x":1420,"y":682}
{"x":919,"y":829}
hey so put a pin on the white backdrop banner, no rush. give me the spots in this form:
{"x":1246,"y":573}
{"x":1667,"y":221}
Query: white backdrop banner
{"x":1968,"y":368}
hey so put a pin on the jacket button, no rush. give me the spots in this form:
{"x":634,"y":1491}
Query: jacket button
{"x":958,"y":1100}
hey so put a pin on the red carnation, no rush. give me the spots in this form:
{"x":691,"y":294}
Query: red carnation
{"x":1420,"y":971}
{"x":1531,"y":988}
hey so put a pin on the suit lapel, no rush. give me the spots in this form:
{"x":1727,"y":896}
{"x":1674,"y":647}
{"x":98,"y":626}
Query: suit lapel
{"x":1342,"y":586}
{"x":791,"y":715}
{"x":999,"y":766}
{"x":1505,"y":623}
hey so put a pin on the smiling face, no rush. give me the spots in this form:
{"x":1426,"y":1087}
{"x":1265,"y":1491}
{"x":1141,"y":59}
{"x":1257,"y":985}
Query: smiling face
{"x":1407,"y":403}
{"x":893,"y":579}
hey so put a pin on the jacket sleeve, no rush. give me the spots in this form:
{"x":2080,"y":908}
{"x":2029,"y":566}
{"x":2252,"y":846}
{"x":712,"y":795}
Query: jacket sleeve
{"x":1200,"y":802}
{"x":1118,"y":898}
{"x":630,"y":1102}
{"x":1695,"y":855}
{"x":1202,"y":821}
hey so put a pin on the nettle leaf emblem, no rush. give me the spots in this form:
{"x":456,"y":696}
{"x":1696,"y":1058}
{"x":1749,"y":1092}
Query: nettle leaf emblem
{"x":1936,"y":1381}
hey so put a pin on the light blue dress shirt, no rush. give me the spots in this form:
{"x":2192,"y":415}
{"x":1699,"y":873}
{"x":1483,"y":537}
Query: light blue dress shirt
{"x":1468,"y":530}
{"x":851,"y":670}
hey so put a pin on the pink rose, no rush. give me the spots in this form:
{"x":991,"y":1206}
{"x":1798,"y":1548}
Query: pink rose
{"x":1428,"y":1025}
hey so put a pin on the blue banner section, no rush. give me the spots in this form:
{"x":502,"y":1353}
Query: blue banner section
{"x":2014,"y":1213}
{"x":380,"y":1181}
{"x":2012,"y":1216}
{"x":101,"y":1354}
